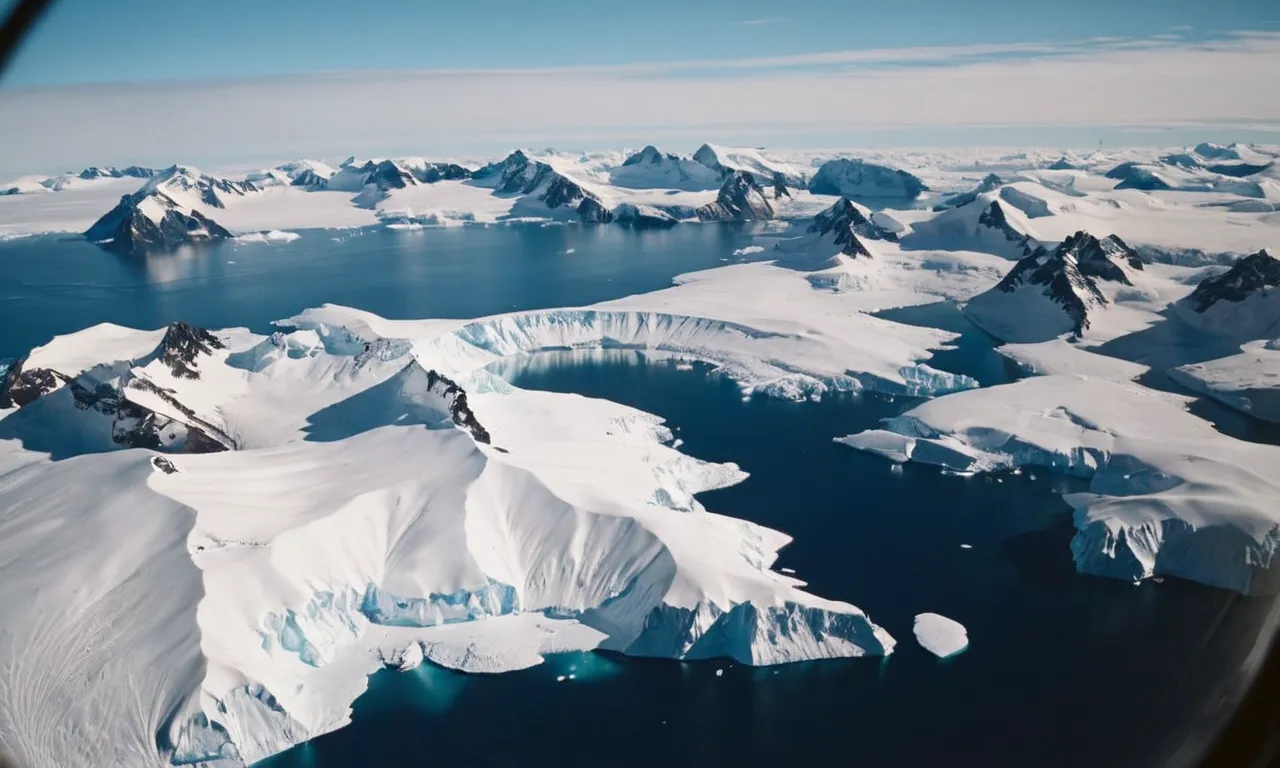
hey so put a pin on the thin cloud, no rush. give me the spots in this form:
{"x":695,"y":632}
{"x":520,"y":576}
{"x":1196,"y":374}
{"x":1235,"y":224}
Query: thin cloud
{"x":1144,"y":82}
{"x":761,"y":22}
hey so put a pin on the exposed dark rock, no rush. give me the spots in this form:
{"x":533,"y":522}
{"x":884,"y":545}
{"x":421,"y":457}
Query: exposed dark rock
{"x":1253,"y":273}
{"x":846,"y":223}
{"x":309,"y":179}
{"x":137,"y":426}
{"x":740,"y":199}
{"x":443,"y":172}
{"x":182,"y":344}
{"x":649,"y":156}
{"x":21,"y":385}
{"x":388,"y":175}
{"x":990,"y":182}
{"x":459,"y":411}
{"x":994,"y":218}
{"x":164,"y":465}
{"x":780,"y":187}
{"x":1105,"y":258}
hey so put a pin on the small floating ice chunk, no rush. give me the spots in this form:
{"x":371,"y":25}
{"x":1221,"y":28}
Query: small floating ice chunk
{"x":966,"y":546}
{"x":560,"y":678}
{"x":719,"y":673}
{"x":787,"y":570}
{"x":750,"y":249}
{"x":940,"y":636}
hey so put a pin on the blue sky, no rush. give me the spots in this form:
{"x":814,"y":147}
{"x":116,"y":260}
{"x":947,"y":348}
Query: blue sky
{"x":216,"y":82}
{"x":85,"y":41}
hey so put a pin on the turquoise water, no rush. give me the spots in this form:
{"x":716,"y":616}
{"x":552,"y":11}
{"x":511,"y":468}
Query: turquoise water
{"x":1062,"y":669}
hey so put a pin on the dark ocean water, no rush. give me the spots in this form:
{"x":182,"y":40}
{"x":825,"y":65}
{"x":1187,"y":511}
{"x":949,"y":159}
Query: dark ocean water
{"x":52,"y":285}
{"x":1062,"y":669}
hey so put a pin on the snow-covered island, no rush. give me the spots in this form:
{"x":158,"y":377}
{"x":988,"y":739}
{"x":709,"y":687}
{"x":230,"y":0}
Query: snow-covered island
{"x":234,"y":529}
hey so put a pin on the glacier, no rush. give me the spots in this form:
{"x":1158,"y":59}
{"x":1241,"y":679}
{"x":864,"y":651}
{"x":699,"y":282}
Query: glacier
{"x":1169,"y":495}
{"x":358,"y":520}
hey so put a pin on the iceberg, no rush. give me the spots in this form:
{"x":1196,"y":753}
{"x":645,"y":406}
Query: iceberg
{"x":939,"y":635}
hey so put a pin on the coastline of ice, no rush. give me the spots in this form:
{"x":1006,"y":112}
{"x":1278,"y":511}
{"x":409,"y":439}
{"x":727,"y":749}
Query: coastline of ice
{"x":1169,"y":495}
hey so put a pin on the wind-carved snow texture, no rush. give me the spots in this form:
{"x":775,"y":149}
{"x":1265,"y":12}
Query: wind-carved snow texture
{"x":1169,"y":494}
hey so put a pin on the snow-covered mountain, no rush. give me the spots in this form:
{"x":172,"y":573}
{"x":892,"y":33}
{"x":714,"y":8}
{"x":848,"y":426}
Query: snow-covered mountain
{"x":650,"y":169}
{"x":149,"y":220}
{"x":985,"y":224}
{"x":725,"y":160}
{"x":1242,"y":302}
{"x":111,"y":172}
{"x":856,"y":178}
{"x":123,"y":403}
{"x":740,"y":199}
{"x":190,"y":188}
{"x":989,"y":183}
{"x":844,"y":223}
{"x":1050,"y":293}
{"x":543,"y":188}
{"x":363,"y":520}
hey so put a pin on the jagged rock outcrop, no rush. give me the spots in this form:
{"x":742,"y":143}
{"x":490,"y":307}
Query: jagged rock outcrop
{"x":141,"y":412}
{"x":846,"y":222}
{"x":182,"y":345}
{"x":1050,"y":293}
{"x":434,"y":172}
{"x":21,"y":385}
{"x":456,"y":399}
{"x":152,"y":222}
{"x":740,"y":199}
{"x":518,"y":174}
{"x":387,"y":175}
{"x":1249,"y":276}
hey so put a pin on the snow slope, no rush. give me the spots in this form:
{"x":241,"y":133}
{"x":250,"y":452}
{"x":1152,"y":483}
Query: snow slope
{"x":1249,"y":381}
{"x":1169,"y":496}
{"x":356,"y":527}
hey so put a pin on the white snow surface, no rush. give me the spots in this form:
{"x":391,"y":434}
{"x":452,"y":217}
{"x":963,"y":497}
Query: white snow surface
{"x":1185,"y":225}
{"x":1249,"y":381}
{"x":1169,"y":495}
{"x":354,"y":527}
{"x":939,"y":635}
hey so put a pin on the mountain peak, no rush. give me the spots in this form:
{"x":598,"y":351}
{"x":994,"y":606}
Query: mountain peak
{"x":182,"y":345}
{"x":740,"y":199}
{"x":1253,"y":273}
{"x":846,"y":222}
